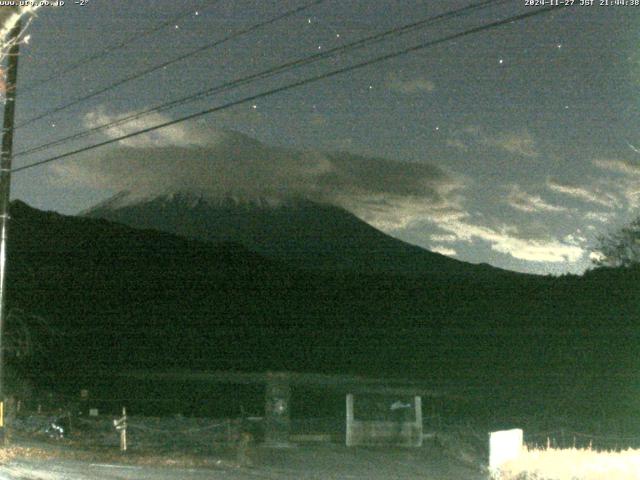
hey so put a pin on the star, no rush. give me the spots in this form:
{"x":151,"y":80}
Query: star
{"x":197,"y":13}
{"x":501,"y":61}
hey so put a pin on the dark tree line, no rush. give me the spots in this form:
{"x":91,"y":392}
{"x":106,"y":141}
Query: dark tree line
{"x":620,"y":248}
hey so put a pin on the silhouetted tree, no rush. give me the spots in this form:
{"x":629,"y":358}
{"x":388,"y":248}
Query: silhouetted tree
{"x":620,"y":248}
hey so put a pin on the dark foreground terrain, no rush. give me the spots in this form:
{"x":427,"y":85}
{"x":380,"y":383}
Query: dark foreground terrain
{"x":306,"y":462}
{"x":38,"y":459}
{"x":89,"y":299}
{"x":189,"y":448}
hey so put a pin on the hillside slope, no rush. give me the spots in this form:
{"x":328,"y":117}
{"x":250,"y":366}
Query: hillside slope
{"x":299,"y":232}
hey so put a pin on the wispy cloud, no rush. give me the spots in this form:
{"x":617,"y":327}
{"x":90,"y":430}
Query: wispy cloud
{"x":596,"y":256}
{"x":576,"y":238}
{"x":626,"y":167}
{"x":387,"y":193}
{"x":506,"y":240}
{"x":520,"y":142}
{"x":526,"y":202}
{"x":443,"y":238}
{"x":601,"y":217}
{"x":585,"y":194}
{"x":449,"y":252}
{"x":410,"y":86}
{"x":178,"y":135}
{"x":625,"y":179}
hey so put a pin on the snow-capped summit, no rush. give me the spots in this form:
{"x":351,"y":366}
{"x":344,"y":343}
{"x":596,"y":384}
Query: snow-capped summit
{"x":297,"y":231}
{"x":188,"y":200}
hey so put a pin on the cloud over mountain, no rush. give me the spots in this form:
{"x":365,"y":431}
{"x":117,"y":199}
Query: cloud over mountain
{"x":193,"y":158}
{"x":389,"y":194}
{"x":509,"y":240}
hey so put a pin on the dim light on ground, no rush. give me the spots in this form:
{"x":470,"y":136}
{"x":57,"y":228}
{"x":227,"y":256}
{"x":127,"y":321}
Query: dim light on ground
{"x":572,"y":464}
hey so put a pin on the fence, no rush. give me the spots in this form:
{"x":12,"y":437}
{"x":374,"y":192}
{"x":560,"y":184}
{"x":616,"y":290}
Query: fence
{"x":144,"y":433}
{"x":568,"y":438}
{"x":175,"y":433}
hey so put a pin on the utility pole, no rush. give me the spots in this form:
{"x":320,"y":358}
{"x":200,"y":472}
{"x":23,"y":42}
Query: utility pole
{"x":5,"y":184}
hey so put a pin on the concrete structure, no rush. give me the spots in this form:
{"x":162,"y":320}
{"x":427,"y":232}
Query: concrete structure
{"x":401,"y":427}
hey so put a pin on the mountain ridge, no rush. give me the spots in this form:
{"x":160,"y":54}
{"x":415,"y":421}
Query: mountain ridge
{"x":300,"y":232}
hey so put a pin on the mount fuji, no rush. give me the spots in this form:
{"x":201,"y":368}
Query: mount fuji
{"x":300,"y":232}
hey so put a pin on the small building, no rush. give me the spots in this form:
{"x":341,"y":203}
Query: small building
{"x":384,"y":419}
{"x":378,"y":411}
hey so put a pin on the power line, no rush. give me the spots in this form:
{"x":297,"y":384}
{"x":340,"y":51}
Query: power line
{"x":110,"y":49}
{"x":364,"y":42}
{"x":180,"y":58}
{"x":299,"y":83}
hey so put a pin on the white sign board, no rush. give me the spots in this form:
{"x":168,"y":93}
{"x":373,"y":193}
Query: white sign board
{"x":504,"y":445}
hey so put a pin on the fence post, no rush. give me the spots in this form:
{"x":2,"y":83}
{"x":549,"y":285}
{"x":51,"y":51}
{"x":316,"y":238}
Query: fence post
{"x":417,"y":403}
{"x":123,"y":432}
{"x":350,"y":420}
{"x":121,"y":426}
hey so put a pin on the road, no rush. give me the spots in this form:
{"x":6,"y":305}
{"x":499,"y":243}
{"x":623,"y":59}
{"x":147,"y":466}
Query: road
{"x":304,"y":463}
{"x":73,"y":470}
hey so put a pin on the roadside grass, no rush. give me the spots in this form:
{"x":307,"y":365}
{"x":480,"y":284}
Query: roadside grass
{"x":8,"y":454}
{"x":572,"y":464}
{"x":27,"y":447}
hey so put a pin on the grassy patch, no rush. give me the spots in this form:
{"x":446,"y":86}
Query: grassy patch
{"x":573,"y":464}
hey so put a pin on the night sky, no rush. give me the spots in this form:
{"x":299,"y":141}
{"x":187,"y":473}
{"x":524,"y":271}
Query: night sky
{"x":515,"y":146}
